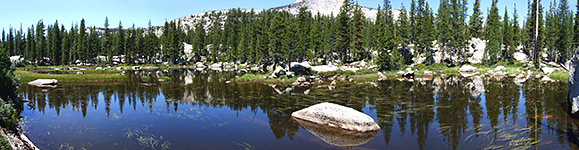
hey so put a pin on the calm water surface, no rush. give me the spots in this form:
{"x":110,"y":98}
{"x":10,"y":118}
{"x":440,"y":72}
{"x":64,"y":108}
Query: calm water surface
{"x":198,"y":110}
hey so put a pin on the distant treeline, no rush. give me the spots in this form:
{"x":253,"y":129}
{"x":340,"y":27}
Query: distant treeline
{"x":279,"y":36}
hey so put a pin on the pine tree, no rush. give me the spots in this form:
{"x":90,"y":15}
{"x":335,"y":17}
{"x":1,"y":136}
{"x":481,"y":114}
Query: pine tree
{"x":403,"y":28}
{"x":507,"y":54}
{"x":530,"y":32}
{"x":28,"y":53}
{"x":516,"y":30}
{"x":425,"y":34}
{"x":492,"y":35}
{"x":215,"y":39}
{"x":56,"y":44}
{"x":476,"y":21}
{"x":443,"y":24}
{"x":388,"y":55}
{"x":304,"y":21}
{"x":65,"y":45}
{"x":119,"y":46}
{"x":40,"y":42}
{"x":19,"y":42}
{"x":3,"y":40}
{"x":552,"y":26}
{"x":81,"y":51}
{"x":106,"y":41}
{"x":565,"y":32}
{"x":462,"y":36}
{"x":357,"y":37}
{"x":576,"y":26}
{"x":316,"y":37}
{"x":342,"y":31}
{"x":199,"y":42}
{"x":276,"y":37}
{"x":413,"y":26}
{"x":73,"y":34}
{"x":10,"y":42}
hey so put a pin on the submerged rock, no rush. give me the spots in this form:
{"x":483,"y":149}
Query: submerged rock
{"x":336,"y":136}
{"x":335,"y":115}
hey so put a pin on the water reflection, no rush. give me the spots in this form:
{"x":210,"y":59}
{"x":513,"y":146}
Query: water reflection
{"x":451,"y":112}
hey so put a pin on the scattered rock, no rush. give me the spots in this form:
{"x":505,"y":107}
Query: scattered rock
{"x":401,"y":73}
{"x":335,"y":115}
{"x":227,"y":82}
{"x":547,"y":70}
{"x":428,"y":73}
{"x":278,"y":72}
{"x":136,"y":68}
{"x":200,"y":65}
{"x":333,"y":84}
{"x":296,"y":83}
{"x":301,"y":79}
{"x":80,"y":72}
{"x":500,"y":74}
{"x":409,"y":73}
{"x":464,"y":74}
{"x":467,"y":68}
{"x":500,"y":68}
{"x":300,"y":68}
{"x":99,"y":68}
{"x":547,"y":79}
{"x":290,"y":74}
{"x":381,"y":76}
{"x":522,"y":57}
{"x":324,"y":68}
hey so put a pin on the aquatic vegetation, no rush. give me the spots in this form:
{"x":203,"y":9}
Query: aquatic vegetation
{"x":501,"y":137}
{"x":246,"y":146}
{"x":115,"y":117}
{"x":147,"y":140}
{"x":153,"y":142}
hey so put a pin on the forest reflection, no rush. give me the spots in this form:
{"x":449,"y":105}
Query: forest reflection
{"x":458,"y":109}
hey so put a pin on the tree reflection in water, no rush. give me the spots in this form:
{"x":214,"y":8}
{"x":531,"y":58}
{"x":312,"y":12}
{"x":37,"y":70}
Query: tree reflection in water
{"x":454,"y":108}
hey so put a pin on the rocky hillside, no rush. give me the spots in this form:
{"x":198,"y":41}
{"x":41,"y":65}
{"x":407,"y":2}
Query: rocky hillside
{"x":324,"y":7}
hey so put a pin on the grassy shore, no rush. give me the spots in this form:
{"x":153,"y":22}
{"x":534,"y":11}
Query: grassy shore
{"x":90,"y":76}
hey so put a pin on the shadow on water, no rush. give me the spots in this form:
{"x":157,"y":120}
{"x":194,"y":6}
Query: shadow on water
{"x":442,"y":113}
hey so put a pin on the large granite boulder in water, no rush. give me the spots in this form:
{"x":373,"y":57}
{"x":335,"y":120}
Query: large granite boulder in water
{"x":573,"y":86}
{"x":335,"y":115}
{"x":44,"y":82}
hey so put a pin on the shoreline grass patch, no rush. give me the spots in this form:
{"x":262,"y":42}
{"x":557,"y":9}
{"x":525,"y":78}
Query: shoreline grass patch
{"x":559,"y":75}
{"x":27,"y":76}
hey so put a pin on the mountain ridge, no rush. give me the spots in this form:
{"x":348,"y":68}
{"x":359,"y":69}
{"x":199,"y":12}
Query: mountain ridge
{"x":324,"y":7}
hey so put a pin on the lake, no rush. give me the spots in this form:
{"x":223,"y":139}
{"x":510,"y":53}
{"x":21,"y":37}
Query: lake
{"x":198,"y":110}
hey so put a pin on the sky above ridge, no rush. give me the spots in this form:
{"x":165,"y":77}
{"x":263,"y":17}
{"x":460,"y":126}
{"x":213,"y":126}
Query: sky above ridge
{"x":139,"y":12}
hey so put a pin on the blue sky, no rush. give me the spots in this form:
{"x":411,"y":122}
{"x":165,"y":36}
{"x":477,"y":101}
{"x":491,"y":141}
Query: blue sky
{"x":138,"y":12}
